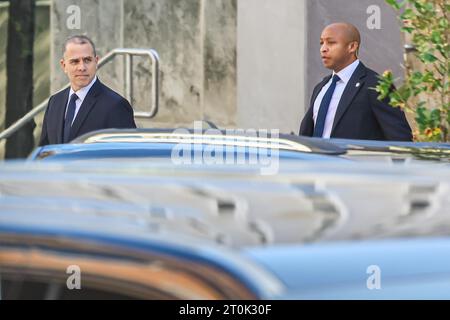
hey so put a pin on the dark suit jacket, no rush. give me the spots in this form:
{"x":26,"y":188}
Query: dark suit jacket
{"x":102,"y":108}
{"x":360,"y":115}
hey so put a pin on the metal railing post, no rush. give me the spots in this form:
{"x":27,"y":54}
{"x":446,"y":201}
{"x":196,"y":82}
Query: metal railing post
{"x":128,"y":77}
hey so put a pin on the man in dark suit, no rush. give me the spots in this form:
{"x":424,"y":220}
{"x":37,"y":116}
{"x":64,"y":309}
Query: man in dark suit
{"x":344,"y":105}
{"x":88,"y":104}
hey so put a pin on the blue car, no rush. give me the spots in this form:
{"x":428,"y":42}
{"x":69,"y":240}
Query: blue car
{"x":151,"y":231}
{"x":169,"y":143}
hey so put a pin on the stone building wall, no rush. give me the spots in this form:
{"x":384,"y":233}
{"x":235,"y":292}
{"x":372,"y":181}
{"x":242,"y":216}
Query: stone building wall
{"x":238,"y":63}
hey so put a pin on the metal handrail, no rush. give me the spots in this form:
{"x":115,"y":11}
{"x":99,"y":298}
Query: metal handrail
{"x":128,"y":52}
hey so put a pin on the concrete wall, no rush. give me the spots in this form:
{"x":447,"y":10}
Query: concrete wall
{"x":381,"y":48}
{"x":173,"y":29}
{"x":196,"y":41}
{"x":244,"y":63}
{"x":271,"y":63}
{"x":220,"y":62}
{"x":278,"y":53}
{"x":238,"y":63}
{"x":99,"y":19}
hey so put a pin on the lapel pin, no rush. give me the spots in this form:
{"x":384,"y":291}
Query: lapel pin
{"x":357,"y":85}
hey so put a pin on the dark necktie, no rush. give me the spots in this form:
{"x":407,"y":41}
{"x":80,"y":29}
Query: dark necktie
{"x":69,"y":117}
{"x":323,"y":109}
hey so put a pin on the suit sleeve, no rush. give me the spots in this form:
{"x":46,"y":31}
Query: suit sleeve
{"x":44,"y":133}
{"x":307,"y":124}
{"x":122,"y":116}
{"x":392,"y":120}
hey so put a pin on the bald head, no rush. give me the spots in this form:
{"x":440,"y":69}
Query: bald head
{"x":349,"y":31}
{"x":339,"y":45}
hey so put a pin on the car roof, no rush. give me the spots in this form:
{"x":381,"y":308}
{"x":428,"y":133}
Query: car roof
{"x":432,"y":151}
{"x":253,"y":138}
{"x":304,"y":202}
{"x":159,"y":143}
{"x":239,"y":221}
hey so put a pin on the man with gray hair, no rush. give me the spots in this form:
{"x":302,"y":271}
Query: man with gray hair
{"x":87,"y":105}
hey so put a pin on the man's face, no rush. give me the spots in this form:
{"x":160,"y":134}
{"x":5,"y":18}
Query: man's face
{"x":336,"y":49}
{"x":80,"y":64}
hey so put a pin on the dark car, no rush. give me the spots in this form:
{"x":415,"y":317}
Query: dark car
{"x":151,"y":230}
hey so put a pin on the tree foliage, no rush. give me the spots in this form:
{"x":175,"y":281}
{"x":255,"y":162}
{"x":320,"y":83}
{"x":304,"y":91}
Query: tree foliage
{"x":425,"y":91}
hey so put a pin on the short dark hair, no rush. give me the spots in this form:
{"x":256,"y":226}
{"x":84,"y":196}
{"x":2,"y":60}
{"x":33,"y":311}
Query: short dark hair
{"x":78,"y":39}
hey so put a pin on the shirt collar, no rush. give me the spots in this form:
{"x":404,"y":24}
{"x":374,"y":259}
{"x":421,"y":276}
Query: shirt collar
{"x":346,"y":73}
{"x":81,"y":94}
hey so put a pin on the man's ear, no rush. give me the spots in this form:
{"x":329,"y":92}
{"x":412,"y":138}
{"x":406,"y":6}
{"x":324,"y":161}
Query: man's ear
{"x":63,"y":65}
{"x":354,"y":47}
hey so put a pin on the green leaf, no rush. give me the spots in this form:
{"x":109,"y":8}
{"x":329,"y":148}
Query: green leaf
{"x":418,"y":6}
{"x":383,"y":89}
{"x":393,"y":3}
{"x":416,"y":77}
{"x":421,"y":118}
{"x":436,"y":37}
{"x":447,"y":87}
{"x":435,"y":117}
{"x":407,"y":29}
{"x":443,"y":23}
{"x":407,"y":14}
{"x":428,"y":57}
{"x":404,"y":92}
{"x":429,"y":7}
{"x":421,"y":104}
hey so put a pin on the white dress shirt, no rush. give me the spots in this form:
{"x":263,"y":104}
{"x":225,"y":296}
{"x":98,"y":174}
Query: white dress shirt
{"x":81,"y":94}
{"x":344,"y":75}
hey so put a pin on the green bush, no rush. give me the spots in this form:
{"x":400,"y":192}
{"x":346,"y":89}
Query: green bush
{"x":427,"y":23}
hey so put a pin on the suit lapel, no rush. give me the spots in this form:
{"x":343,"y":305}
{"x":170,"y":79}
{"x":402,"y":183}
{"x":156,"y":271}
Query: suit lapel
{"x":349,"y":93}
{"x":60,"y":113}
{"x":85,"y":108}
